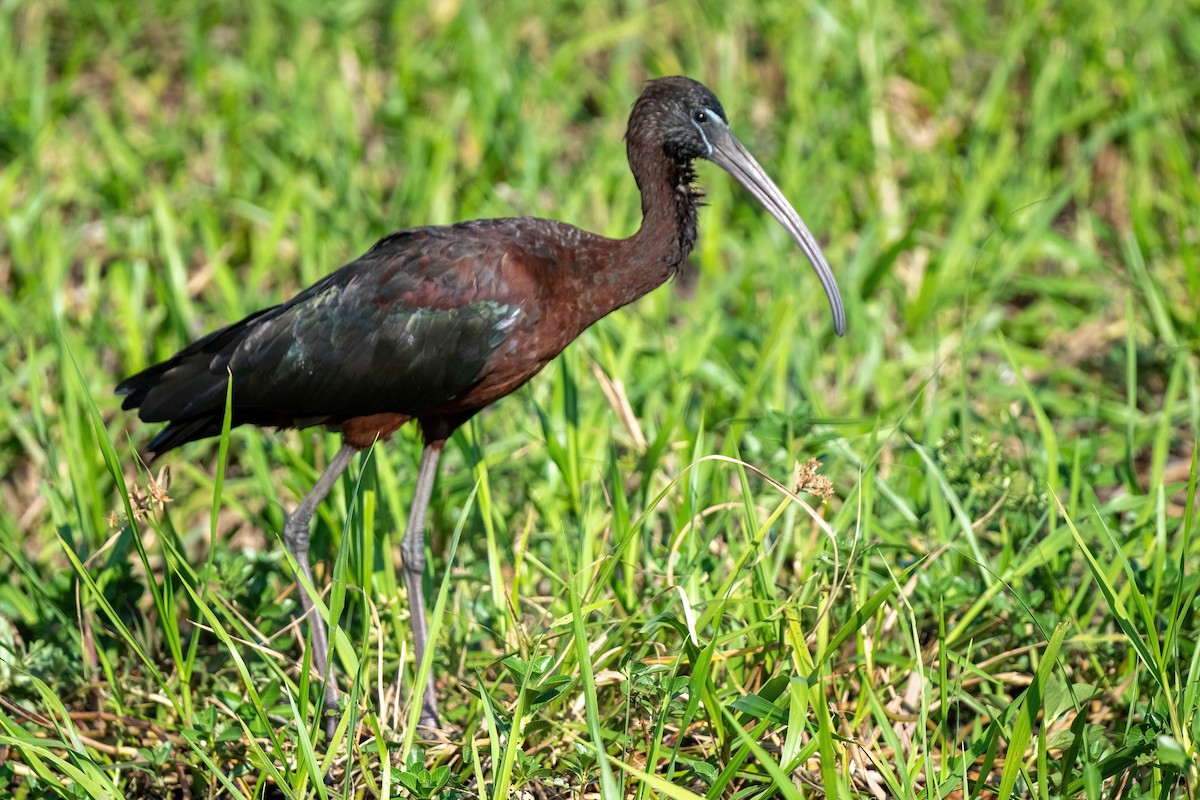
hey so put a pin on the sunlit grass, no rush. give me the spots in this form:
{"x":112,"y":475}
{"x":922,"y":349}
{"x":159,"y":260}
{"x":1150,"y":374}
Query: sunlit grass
{"x":629,"y":595}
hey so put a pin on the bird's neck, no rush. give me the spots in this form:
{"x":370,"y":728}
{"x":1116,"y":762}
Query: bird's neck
{"x":669,"y":203}
{"x":630,"y":268}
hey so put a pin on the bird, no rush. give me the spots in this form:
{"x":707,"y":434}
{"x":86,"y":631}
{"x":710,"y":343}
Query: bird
{"x":433,"y":324}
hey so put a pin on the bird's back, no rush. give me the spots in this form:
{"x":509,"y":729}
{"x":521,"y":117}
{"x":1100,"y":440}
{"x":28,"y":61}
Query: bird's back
{"x":430,"y":320}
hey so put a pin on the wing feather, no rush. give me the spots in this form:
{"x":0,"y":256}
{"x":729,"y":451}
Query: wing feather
{"x":408,"y":326}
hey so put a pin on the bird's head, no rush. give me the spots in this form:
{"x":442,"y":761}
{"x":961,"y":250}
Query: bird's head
{"x":688,"y":122}
{"x":679,"y":114}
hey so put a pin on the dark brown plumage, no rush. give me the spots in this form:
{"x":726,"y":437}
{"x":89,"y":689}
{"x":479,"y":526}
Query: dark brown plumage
{"x":437,"y":323}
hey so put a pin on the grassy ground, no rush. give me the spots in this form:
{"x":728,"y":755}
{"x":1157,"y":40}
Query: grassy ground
{"x":630,"y":600}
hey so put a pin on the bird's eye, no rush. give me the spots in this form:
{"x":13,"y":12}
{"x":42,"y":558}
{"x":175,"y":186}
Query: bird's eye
{"x":700,"y":116}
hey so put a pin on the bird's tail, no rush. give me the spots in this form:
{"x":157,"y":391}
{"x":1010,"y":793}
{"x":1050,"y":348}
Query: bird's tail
{"x":161,"y":394}
{"x":188,"y":390}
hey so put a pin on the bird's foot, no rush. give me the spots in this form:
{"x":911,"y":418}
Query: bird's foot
{"x":433,"y":733}
{"x":429,"y":724}
{"x":331,"y":722}
{"x":331,"y":712}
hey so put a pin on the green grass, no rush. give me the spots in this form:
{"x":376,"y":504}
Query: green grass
{"x":1001,"y":599}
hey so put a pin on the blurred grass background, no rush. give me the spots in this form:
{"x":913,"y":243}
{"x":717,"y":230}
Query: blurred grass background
{"x":1005,"y":601}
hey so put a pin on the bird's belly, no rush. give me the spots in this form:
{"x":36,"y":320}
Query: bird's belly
{"x":497,"y":384}
{"x":362,"y":432}
{"x":509,"y":368}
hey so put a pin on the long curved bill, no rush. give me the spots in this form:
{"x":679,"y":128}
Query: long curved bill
{"x":729,"y":154}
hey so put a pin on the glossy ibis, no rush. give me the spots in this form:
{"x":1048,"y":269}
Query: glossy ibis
{"x":436,"y":323}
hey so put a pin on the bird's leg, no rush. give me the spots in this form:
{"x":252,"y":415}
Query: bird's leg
{"x":412,"y":551}
{"x":295,"y":537}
